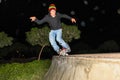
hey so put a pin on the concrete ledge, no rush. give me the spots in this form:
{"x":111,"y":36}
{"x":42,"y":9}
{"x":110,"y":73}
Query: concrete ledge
{"x":85,"y":67}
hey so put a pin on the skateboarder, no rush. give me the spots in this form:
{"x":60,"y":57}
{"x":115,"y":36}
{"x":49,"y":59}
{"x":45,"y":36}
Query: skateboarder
{"x":53,"y":19}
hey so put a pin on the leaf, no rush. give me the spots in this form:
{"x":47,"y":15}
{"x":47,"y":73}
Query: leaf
{"x":40,"y":36}
{"x":5,"y":40}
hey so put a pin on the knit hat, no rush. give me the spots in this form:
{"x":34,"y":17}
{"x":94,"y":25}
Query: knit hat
{"x":51,"y":6}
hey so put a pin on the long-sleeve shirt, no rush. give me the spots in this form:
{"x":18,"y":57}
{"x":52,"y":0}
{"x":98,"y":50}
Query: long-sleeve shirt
{"x":54,"y":22}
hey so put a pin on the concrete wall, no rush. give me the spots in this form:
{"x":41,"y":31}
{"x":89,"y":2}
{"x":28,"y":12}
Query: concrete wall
{"x":85,"y":67}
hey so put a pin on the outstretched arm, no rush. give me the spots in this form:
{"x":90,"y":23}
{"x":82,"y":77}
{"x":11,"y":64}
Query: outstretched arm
{"x":34,"y":19}
{"x":73,"y":20}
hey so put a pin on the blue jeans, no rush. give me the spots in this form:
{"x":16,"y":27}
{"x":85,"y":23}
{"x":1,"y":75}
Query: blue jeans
{"x":56,"y":35}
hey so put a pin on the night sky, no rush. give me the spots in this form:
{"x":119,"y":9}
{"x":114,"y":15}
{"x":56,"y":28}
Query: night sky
{"x":98,"y":20}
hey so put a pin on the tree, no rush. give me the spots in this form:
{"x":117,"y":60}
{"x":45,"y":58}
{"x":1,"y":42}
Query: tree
{"x":5,"y":40}
{"x":40,"y":36}
{"x":70,"y":32}
{"x":109,"y":46}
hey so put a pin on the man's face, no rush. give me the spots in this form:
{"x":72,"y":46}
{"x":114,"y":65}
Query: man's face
{"x":52,"y":12}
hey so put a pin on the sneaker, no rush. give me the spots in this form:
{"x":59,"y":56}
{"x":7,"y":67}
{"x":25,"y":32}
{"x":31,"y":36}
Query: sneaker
{"x":59,"y":52}
{"x":66,"y":54}
{"x":68,"y":50}
{"x":63,"y":52}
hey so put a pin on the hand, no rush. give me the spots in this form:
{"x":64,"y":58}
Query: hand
{"x":33,"y":18}
{"x":73,"y":20}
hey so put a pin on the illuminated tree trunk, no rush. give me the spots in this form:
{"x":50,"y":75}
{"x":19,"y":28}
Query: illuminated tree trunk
{"x":40,"y":52}
{"x":85,"y":67}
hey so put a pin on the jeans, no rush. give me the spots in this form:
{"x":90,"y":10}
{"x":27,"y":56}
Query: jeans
{"x":56,"y":35}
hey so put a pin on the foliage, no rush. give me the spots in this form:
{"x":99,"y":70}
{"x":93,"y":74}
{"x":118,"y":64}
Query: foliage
{"x":34,"y":70}
{"x":70,"y":32}
{"x":5,"y":40}
{"x":38,"y":36}
{"x":109,"y":46}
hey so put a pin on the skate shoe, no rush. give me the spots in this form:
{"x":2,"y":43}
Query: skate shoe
{"x":63,"y":52}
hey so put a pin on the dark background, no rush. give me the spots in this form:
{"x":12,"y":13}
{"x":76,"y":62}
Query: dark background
{"x":98,"y":20}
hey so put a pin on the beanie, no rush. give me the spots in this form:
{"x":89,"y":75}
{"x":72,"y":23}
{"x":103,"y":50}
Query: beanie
{"x":51,"y":6}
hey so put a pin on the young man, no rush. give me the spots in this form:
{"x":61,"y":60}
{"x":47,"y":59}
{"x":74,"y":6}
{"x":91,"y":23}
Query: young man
{"x":53,"y":19}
